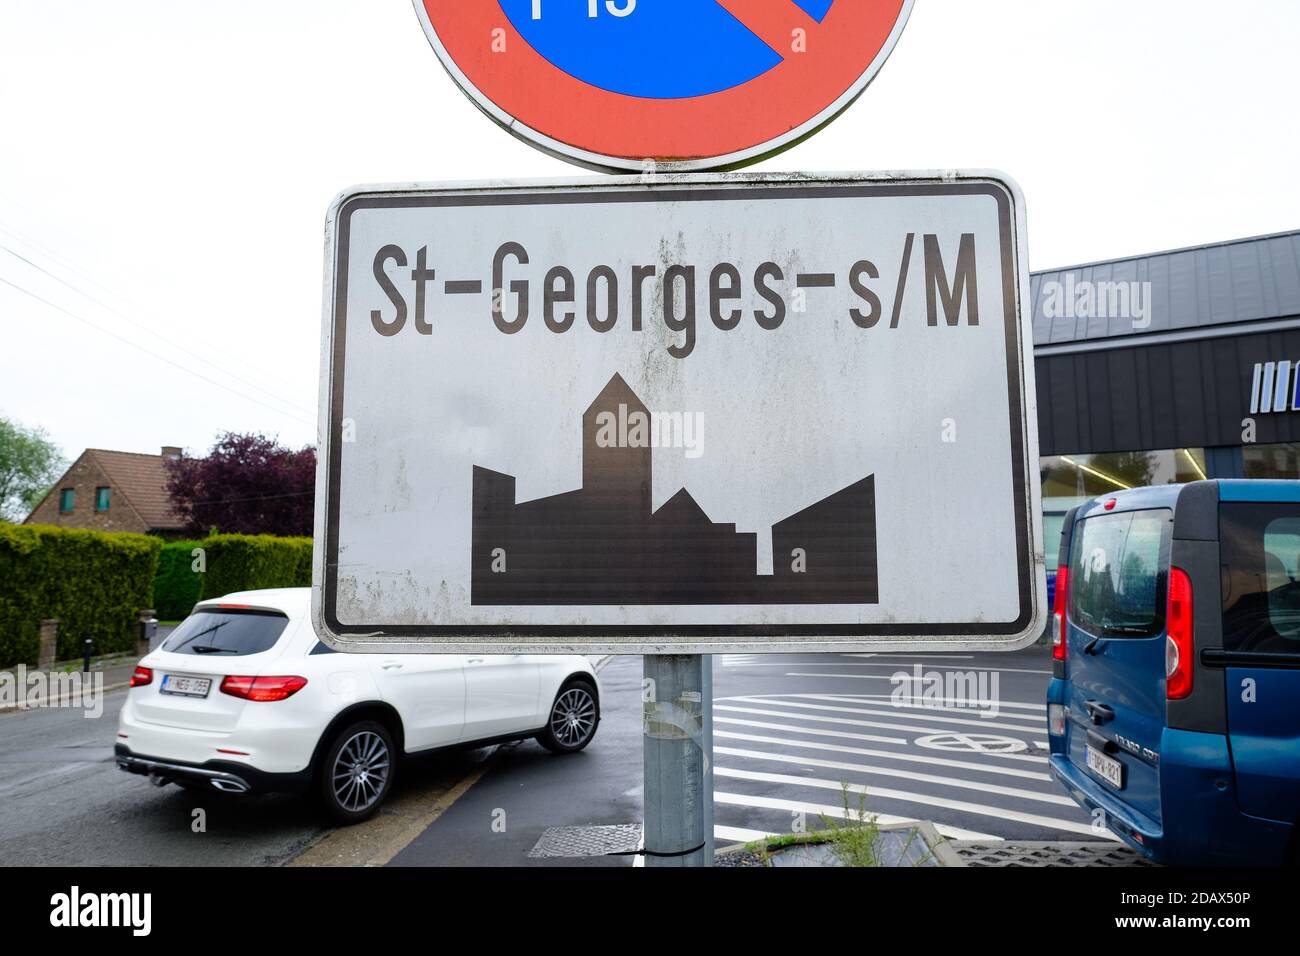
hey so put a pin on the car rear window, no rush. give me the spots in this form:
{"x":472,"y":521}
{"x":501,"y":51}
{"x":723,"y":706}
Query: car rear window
{"x":1259,"y":550}
{"x":226,"y":632}
{"x":1117,"y":573}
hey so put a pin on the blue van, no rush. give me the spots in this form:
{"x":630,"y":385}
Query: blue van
{"x":1174,"y":708}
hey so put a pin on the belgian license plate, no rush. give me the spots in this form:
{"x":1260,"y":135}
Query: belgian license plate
{"x":186,"y":686}
{"x":1112,"y":771}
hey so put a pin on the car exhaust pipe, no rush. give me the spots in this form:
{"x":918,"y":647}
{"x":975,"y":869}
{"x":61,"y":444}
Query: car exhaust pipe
{"x":158,"y":780}
{"x":230,"y":786}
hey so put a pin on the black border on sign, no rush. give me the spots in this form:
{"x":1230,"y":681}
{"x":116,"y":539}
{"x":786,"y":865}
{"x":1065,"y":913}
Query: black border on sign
{"x":583,"y":196}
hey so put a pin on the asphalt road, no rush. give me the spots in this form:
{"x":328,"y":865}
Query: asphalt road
{"x":789,"y":732}
{"x":64,"y":802}
{"x":529,"y":789}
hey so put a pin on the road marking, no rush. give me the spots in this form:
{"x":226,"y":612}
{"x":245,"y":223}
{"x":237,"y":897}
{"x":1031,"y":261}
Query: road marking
{"x":873,"y":738}
{"x":912,"y":728}
{"x":376,"y":841}
{"x":1032,"y":720}
{"x":919,"y":658}
{"x":827,"y":810}
{"x":1060,"y":800}
{"x":739,"y":835}
{"x":1000,"y":670}
{"x":972,"y":743}
{"x":639,"y":859}
{"x":966,"y":722}
{"x":928,"y":759}
{"x":1039,"y":709}
{"x":904,"y":796}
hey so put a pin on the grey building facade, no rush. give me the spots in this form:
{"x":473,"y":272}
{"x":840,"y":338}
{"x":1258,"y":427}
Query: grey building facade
{"x":1168,"y":367}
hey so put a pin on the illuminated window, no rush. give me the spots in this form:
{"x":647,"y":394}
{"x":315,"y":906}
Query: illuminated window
{"x":1271,"y":461}
{"x":1086,"y":476}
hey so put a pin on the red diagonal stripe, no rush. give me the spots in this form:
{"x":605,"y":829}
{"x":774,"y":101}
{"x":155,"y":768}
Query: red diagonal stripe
{"x":772,"y":21}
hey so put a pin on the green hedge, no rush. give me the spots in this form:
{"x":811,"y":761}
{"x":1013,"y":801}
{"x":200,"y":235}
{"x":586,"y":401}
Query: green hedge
{"x":240,"y":562}
{"x":178,"y":587}
{"x":228,"y":563}
{"x":94,"y":582}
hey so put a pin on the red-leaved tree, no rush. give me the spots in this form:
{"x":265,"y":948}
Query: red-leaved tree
{"x":247,"y":484}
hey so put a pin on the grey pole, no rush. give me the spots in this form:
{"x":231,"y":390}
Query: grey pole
{"x":678,"y":754}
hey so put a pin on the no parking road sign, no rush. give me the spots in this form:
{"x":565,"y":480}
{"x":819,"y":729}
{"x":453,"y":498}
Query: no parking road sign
{"x":691,"y":84}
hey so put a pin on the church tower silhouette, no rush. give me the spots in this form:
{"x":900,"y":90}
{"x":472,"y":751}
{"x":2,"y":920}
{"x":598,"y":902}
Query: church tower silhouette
{"x":602,"y":544}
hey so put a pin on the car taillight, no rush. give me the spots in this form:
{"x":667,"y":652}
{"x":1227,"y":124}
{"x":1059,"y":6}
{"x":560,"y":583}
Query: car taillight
{"x":1179,"y":662}
{"x":262,"y":688}
{"x":142,"y":676}
{"x":1056,"y":719}
{"x":1061,"y":603}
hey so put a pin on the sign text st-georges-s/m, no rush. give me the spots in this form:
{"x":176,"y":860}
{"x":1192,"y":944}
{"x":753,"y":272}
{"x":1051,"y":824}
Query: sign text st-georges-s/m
{"x":705,"y":414}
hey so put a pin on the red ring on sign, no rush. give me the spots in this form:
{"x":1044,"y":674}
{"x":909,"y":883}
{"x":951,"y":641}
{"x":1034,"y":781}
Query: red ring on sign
{"x":532,"y":90}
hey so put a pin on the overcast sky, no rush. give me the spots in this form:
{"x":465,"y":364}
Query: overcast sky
{"x":165,"y":168}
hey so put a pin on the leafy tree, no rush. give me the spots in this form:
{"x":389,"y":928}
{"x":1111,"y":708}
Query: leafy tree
{"x":29,"y":465}
{"x":247,"y":484}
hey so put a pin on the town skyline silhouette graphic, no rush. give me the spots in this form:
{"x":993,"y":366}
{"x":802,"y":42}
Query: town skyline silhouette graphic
{"x":604,"y":543}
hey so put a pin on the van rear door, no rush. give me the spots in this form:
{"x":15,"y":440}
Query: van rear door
{"x":1116,"y":652}
{"x":1259,"y":547}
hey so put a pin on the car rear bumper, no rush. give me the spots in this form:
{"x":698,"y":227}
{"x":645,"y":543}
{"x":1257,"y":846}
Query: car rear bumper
{"x":1201,"y":823}
{"x":1137,"y":831}
{"x":219,"y":775}
{"x":271,"y":737}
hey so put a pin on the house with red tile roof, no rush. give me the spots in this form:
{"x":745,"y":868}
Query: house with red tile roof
{"x":113,"y":491}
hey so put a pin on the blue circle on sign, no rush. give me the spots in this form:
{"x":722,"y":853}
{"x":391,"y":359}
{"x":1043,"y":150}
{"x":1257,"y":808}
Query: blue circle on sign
{"x":701,"y":48}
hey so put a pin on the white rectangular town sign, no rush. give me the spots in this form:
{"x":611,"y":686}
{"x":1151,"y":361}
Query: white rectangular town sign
{"x":691,"y":414}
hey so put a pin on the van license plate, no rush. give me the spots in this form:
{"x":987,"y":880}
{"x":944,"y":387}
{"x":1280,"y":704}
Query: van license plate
{"x":186,"y":686}
{"x":1112,"y":771}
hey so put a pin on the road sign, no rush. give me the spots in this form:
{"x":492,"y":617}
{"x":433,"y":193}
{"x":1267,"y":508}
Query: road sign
{"x":716,"y":413}
{"x":610,"y":84}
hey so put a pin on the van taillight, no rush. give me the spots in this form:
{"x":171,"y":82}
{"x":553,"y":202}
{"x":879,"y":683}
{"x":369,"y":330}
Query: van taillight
{"x":262,"y":688}
{"x":142,"y":676}
{"x":1179,"y":661}
{"x":1059,"y":608}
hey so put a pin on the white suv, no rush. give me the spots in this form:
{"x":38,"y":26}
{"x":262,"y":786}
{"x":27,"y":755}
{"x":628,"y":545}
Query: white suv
{"x":243,"y":698}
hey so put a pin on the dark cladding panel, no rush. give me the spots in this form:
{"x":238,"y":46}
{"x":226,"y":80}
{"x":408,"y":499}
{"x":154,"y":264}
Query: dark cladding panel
{"x":1043,"y":397}
{"x":1062,"y":434}
{"x":1096,"y":392}
{"x":1189,"y":423}
{"x":1124,"y":422}
{"x":1191,"y":395}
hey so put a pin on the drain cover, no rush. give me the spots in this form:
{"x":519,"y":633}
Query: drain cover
{"x":575,"y":842}
{"x":1011,"y":853}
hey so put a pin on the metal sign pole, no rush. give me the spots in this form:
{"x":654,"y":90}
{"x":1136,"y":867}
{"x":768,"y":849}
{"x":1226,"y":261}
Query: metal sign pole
{"x":678,"y":754}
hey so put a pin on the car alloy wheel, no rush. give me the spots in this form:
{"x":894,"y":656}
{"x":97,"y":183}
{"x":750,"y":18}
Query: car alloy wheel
{"x":573,"y":718}
{"x":360,"y":771}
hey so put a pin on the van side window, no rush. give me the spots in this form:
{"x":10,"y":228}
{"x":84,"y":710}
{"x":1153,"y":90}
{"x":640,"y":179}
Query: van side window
{"x":1118,"y":567}
{"x":1259,"y":548}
